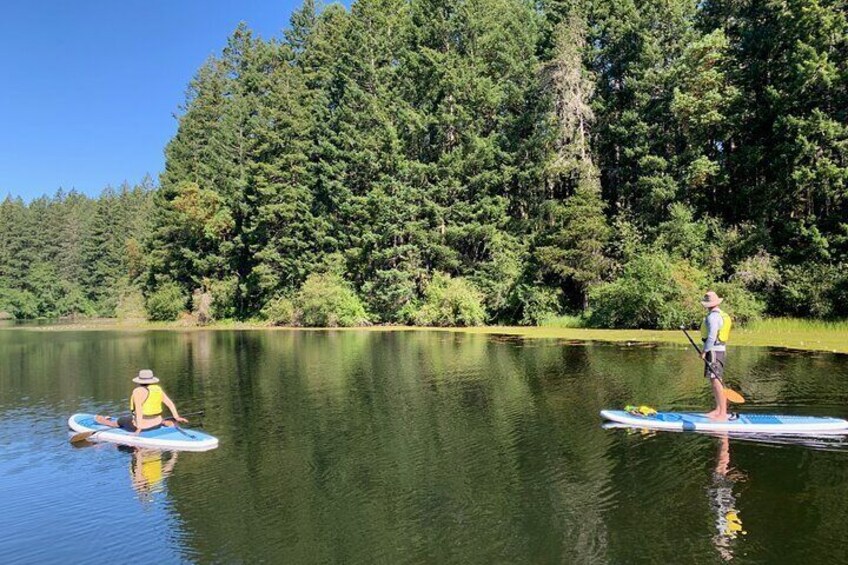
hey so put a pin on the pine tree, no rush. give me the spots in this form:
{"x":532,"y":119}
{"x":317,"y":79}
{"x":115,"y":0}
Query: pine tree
{"x":469,"y":71}
{"x":190,"y":221}
{"x":284,"y":234}
{"x":636,"y":49}
{"x":574,"y":245}
{"x":787,"y":159}
{"x":703,"y":101}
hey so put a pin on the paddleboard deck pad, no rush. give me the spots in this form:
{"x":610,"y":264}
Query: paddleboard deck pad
{"x":753,"y":423}
{"x":160,"y":438}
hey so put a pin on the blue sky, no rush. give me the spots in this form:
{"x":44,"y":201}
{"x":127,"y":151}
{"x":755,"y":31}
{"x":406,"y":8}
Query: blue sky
{"x":88,"y":89}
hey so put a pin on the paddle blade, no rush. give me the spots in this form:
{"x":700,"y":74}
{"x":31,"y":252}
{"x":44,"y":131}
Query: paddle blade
{"x":734,"y":396}
{"x":82,"y":436}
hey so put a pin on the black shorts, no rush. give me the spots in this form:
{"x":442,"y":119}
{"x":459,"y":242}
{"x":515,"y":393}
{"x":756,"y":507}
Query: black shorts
{"x":126,"y":423}
{"x":715,"y":361}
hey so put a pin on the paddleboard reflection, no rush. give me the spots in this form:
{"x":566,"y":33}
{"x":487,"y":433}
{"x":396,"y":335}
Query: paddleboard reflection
{"x":148,"y":470}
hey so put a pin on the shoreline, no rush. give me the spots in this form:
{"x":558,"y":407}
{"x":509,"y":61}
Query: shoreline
{"x":813,"y":338}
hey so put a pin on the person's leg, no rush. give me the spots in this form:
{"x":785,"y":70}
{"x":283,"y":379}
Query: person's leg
{"x":720,"y":412}
{"x":718,"y":371}
{"x":713,"y":368}
{"x":106,"y":421}
{"x":708,"y":374}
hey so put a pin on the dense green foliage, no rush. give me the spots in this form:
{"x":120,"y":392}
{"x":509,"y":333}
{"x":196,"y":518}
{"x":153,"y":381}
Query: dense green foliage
{"x":327,"y":300}
{"x":604,"y":158}
{"x":72,"y":255}
{"x":166,"y":303}
{"x":280,"y":312}
{"x":324,"y":299}
{"x":451,"y":302}
{"x":653,"y":291}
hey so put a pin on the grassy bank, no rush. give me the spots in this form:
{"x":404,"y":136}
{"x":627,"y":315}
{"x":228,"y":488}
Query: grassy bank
{"x":810,"y":335}
{"x":779,"y":332}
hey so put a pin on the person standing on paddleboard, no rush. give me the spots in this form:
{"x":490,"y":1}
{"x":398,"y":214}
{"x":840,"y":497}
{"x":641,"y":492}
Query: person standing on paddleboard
{"x":715,"y":331}
{"x":146,"y":403}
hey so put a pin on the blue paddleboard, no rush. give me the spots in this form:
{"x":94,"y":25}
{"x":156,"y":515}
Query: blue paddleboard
{"x":164,"y":437}
{"x":754,"y":423}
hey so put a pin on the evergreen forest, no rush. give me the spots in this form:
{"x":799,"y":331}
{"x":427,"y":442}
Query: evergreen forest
{"x":465,"y":162}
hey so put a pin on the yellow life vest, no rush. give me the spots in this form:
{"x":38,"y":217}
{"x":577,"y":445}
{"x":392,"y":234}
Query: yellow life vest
{"x":724,"y":330}
{"x":152,"y":404}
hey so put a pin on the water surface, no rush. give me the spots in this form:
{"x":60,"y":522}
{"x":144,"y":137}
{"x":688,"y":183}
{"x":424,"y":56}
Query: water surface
{"x":412,"y":447}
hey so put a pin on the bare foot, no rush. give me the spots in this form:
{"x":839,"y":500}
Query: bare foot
{"x":711,"y":414}
{"x":719,"y":416}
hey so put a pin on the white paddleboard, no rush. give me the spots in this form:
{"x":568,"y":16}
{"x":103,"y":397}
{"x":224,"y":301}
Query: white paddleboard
{"x":754,"y":423}
{"x":164,"y":437}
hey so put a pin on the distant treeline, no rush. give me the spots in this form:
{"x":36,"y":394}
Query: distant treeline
{"x":72,"y":255}
{"x":470,"y":161}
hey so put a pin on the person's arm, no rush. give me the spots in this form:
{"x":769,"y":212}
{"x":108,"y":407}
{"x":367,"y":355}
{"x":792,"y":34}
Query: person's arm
{"x":168,"y":467}
{"x":138,"y":401}
{"x":166,"y":400}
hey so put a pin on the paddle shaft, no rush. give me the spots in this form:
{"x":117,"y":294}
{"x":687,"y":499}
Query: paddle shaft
{"x":698,"y":349}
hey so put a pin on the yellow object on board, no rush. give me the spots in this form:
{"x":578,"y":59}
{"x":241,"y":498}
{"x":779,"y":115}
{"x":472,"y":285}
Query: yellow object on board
{"x":640,"y":410}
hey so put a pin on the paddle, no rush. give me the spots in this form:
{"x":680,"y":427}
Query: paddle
{"x":82,"y":436}
{"x":182,"y":431}
{"x":731,"y":394}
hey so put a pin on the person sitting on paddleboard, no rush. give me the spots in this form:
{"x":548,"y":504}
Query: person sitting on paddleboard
{"x":146,"y":403}
{"x":715,"y":331}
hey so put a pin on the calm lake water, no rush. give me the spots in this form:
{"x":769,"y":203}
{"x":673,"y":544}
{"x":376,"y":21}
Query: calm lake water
{"x":412,"y":447}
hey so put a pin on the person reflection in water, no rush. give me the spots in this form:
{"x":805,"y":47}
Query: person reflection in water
{"x":148,"y":470}
{"x":723,"y":502}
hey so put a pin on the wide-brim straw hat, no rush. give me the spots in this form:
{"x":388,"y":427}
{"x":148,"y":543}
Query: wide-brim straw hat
{"x":145,"y":377}
{"x":711,"y":300}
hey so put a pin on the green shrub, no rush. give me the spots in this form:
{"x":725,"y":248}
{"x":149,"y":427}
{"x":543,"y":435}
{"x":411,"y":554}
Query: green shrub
{"x":757,"y":272}
{"x":497,"y":275}
{"x":130,"y":305}
{"x":20,"y":304}
{"x":73,"y":302}
{"x":166,"y":303}
{"x":697,"y":241}
{"x":280,"y":311}
{"x":224,"y":295}
{"x":681,"y":235}
{"x":391,"y":295}
{"x":537,"y":303}
{"x":809,"y":290}
{"x":839,"y":294}
{"x":326,"y":300}
{"x":451,"y":302}
{"x":653,"y":291}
